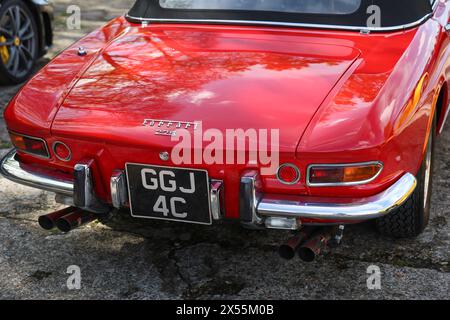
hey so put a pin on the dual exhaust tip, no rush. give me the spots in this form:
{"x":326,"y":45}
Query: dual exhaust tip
{"x":66,"y":220}
{"x":308,"y":244}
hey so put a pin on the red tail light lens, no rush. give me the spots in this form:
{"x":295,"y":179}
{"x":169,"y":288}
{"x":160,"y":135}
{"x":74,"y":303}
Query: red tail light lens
{"x":31,"y":145}
{"x":340,"y":175}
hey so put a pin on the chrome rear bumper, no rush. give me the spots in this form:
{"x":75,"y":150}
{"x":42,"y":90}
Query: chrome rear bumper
{"x":11,"y":169}
{"x":283,"y":212}
{"x":256,"y":209}
{"x":363,"y":209}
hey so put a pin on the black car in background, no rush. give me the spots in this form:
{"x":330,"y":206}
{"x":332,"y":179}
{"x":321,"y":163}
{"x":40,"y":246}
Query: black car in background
{"x":25,"y":35}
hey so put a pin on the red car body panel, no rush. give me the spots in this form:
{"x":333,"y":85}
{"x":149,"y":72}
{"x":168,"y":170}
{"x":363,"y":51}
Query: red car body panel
{"x":336,"y":96}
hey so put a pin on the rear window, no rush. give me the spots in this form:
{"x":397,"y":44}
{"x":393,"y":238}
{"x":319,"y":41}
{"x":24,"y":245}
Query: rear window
{"x":292,"y":6}
{"x":377,"y":15}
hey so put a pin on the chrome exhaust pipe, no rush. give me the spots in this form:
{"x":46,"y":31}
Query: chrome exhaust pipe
{"x":312,"y":248}
{"x":74,"y":220}
{"x":287,"y":250}
{"x":48,"y":221}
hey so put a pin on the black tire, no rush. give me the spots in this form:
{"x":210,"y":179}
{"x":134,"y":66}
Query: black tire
{"x":26,"y":50}
{"x":411,"y":219}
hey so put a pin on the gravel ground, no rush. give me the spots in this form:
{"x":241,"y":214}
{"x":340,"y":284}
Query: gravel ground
{"x":130,"y":259}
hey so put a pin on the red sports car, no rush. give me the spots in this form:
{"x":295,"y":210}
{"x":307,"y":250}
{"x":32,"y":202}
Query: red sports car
{"x":295,"y":115}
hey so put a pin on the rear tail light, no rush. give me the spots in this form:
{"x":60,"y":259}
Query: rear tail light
{"x":31,"y":145}
{"x":343,"y":175}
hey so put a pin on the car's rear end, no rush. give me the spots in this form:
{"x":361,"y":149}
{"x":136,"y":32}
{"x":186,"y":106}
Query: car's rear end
{"x":168,"y":113}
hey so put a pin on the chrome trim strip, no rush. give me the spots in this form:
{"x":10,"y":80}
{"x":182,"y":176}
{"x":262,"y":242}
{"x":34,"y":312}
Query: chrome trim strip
{"x":364,"y":209}
{"x":216,"y":194}
{"x":435,"y":4}
{"x":118,"y":185}
{"x":283,"y":24}
{"x":10,"y":169}
{"x":343,"y":184}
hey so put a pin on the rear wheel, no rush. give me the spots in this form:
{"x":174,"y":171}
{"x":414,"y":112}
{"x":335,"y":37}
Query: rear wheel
{"x":411,"y":219}
{"x":18,"y":42}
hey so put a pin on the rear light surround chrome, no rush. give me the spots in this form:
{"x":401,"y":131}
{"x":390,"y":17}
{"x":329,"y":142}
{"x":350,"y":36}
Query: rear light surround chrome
{"x":346,"y":165}
{"x":44,"y":144}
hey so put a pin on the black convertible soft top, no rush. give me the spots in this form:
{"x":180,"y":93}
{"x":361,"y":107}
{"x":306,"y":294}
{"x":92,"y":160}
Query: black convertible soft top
{"x":365,"y":14}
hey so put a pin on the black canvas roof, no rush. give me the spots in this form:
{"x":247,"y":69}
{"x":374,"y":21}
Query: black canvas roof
{"x":393,"y":14}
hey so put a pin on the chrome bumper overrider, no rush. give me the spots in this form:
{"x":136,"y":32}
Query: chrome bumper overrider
{"x":256,"y":209}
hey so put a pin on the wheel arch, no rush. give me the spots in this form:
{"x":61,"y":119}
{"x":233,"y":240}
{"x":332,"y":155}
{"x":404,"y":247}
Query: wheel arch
{"x":442,"y":107}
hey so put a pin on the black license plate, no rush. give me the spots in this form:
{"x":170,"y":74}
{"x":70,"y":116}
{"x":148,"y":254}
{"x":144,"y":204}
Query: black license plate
{"x":169,"y":193}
